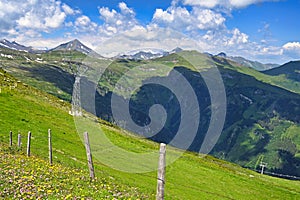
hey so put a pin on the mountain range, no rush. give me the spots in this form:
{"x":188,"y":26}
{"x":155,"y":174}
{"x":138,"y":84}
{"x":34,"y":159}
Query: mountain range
{"x":248,"y":63}
{"x":15,"y":46}
{"x":25,"y":108}
{"x":290,"y":70}
{"x":144,"y":54}
{"x":263,"y":108}
{"x":147,"y":54}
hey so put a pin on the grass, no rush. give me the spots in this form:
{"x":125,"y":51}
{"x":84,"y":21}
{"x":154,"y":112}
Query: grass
{"x":280,"y":81}
{"x":26,"y":109}
{"x":23,"y":177}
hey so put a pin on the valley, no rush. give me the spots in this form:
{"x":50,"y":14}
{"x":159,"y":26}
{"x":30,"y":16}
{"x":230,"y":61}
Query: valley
{"x":262,"y":122}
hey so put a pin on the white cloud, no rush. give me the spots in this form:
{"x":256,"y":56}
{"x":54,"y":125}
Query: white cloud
{"x":163,"y":15}
{"x":85,"y":25}
{"x":107,"y":15}
{"x":18,"y":17}
{"x":205,"y":26}
{"x":292,"y":49}
{"x":233,"y":42}
{"x":68,"y":10}
{"x":82,"y":21}
{"x":202,"y":20}
{"x":49,"y":15}
{"x":237,"y":38}
{"x":173,"y":17}
{"x":69,"y":24}
{"x":223,"y":3}
{"x":208,"y":19}
{"x":150,"y":37}
{"x":244,"y":3}
{"x":41,"y":43}
{"x":203,"y":3}
{"x":271,"y":50}
{"x":30,"y":20}
{"x":180,"y":18}
{"x":117,"y":22}
{"x":125,"y":10}
{"x":56,"y":19}
{"x":292,"y":46}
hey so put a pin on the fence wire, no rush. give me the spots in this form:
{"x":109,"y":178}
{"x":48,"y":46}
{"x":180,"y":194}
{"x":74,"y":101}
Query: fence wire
{"x":59,"y":156}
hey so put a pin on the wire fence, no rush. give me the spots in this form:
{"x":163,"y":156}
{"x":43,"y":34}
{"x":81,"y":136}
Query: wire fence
{"x":39,"y":147}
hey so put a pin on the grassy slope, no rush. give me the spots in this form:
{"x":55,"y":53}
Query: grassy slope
{"x":24,"y":108}
{"x":22,"y":177}
{"x":39,"y":70}
{"x":280,"y":80}
{"x":291,"y":70}
{"x":266,"y":134}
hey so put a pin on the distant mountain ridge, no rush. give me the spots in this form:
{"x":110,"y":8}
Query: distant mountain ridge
{"x":15,"y":46}
{"x":248,"y":63}
{"x":74,"y":45}
{"x":147,"y":54}
{"x":291,"y":70}
{"x":143,"y":55}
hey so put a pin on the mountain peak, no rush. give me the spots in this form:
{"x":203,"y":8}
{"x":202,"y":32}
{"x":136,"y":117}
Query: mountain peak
{"x":73,"y":45}
{"x":75,"y":41}
{"x":143,"y":54}
{"x":176,"y":50}
{"x":15,"y":46}
{"x":222,"y":54}
{"x":4,"y":41}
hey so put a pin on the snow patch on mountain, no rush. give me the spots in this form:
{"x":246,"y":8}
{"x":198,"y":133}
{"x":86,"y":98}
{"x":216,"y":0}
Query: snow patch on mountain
{"x":146,"y":54}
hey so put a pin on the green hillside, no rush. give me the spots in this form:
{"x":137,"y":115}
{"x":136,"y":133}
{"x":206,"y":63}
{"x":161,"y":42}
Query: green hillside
{"x":24,"y":108}
{"x":262,"y":110}
{"x":290,"y":70}
{"x":34,"y":178}
{"x":277,"y":79}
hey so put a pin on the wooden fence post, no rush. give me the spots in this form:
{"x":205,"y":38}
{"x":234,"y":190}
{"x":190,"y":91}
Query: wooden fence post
{"x":28,"y":143}
{"x":50,"y":146}
{"x":161,"y":172}
{"x":19,"y":140}
{"x":10,"y":139}
{"x":89,"y":155}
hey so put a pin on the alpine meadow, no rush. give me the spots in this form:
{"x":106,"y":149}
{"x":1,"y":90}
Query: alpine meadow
{"x":181,"y":99}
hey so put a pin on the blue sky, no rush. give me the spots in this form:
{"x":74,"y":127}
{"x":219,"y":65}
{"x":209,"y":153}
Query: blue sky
{"x":263,"y":30}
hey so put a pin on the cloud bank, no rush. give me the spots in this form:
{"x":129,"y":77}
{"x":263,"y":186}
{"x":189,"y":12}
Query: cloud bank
{"x":200,"y":21}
